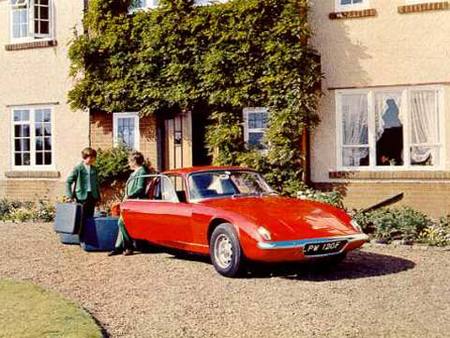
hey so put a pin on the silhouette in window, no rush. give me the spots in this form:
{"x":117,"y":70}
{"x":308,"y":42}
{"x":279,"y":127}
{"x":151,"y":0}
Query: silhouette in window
{"x":390,"y":141}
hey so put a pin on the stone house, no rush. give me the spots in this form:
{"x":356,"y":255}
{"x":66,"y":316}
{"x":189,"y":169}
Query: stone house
{"x":384,"y":112}
{"x":41,"y":136}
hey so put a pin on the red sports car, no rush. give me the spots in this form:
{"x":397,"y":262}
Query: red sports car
{"x":231,"y":214}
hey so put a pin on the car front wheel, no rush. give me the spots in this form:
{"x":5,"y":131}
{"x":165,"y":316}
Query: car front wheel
{"x":225,"y":251}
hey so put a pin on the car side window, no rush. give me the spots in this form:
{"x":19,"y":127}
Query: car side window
{"x":163,"y":190}
{"x":180,"y":188}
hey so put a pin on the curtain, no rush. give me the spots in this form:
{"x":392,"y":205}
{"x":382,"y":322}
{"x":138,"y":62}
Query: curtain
{"x":355,"y":129}
{"x":424,"y":125}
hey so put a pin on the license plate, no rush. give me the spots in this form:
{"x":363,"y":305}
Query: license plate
{"x":323,"y":248}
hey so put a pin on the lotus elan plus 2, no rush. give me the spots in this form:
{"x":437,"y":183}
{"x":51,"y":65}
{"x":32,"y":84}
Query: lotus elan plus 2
{"x":231,"y":214}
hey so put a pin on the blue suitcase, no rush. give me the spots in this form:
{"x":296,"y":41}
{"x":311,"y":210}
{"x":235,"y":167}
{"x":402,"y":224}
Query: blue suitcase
{"x":99,"y":234}
{"x":69,"y":217}
{"x":69,"y":238}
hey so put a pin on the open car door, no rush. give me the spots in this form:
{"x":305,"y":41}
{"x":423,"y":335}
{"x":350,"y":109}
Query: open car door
{"x":164,"y":218}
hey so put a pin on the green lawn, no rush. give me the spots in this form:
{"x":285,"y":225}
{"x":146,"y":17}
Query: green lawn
{"x":27,"y":310}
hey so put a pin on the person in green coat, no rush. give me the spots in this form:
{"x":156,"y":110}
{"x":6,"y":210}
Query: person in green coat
{"x":82,"y":184}
{"x":134,"y":189}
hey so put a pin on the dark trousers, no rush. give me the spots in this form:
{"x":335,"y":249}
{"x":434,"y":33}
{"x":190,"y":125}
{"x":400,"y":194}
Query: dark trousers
{"x":88,"y":208}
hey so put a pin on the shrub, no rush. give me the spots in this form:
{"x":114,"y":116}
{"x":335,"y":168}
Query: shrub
{"x":112,"y":164}
{"x":182,"y":57}
{"x":16,"y":211}
{"x":390,"y":224}
{"x":437,"y":234}
{"x":334,"y":198}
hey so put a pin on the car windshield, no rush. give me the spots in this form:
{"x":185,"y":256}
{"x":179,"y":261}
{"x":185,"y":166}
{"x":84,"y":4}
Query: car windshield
{"x":227,"y":183}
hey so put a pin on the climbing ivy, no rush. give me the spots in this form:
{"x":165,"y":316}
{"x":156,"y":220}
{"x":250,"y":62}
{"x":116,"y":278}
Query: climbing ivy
{"x":216,"y":59}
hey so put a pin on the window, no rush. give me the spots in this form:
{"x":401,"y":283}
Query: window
{"x":143,"y":4}
{"x":392,"y":128}
{"x":163,"y":190}
{"x":32,"y":138}
{"x":255,"y":125}
{"x":31,"y":19}
{"x":350,"y":5}
{"x":221,"y":184}
{"x":126,"y":130}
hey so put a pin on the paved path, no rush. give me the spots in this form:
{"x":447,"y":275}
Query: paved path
{"x":388,"y":292}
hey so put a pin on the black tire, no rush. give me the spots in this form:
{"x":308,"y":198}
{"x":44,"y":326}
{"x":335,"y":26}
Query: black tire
{"x":228,"y":264}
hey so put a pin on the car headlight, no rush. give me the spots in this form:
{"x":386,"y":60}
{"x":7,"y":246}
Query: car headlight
{"x":355,"y":225}
{"x":265,"y":234}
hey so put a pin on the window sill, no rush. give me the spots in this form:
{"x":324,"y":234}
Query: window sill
{"x":363,"y":13}
{"x":391,"y":175}
{"x":32,"y":174}
{"x":31,"y":45}
{"x":424,"y":7}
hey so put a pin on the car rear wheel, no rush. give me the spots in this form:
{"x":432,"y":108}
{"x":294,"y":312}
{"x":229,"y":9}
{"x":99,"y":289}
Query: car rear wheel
{"x":225,"y":251}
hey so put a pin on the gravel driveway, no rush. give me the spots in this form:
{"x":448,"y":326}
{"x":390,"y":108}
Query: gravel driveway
{"x":378,"y":291}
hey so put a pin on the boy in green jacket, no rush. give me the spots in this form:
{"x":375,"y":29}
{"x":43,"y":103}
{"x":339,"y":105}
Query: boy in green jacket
{"x":134,"y":189}
{"x":84,"y":176}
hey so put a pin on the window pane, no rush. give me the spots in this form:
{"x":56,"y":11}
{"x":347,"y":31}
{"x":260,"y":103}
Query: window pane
{"x":25,"y":144}
{"x":257,"y":120}
{"x":22,"y":145}
{"x":47,"y":129}
{"x":48,"y":158}
{"x":48,"y":143}
{"x":255,"y":139}
{"x":39,"y":143}
{"x":349,"y":2}
{"x":167,"y":190}
{"x":21,"y":130}
{"x":38,"y":130}
{"x":355,"y":157}
{"x":17,"y":159}
{"x":389,"y":125}
{"x":21,"y":115}
{"x":424,"y":127}
{"x":424,"y":156}
{"x":355,"y":119}
{"x":355,"y":130}
{"x":26,"y":159}
{"x":137,"y":4}
{"x":19,"y":22}
{"x":43,"y":28}
{"x":125,"y":131}
{"x":39,"y":158}
{"x":424,"y":117}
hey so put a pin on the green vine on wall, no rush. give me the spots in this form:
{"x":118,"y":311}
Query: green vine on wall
{"x":218,"y":59}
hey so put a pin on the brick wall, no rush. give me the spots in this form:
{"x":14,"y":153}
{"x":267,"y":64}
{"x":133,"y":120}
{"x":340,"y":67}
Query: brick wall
{"x":31,"y":189}
{"x":101,"y":134}
{"x":432,"y":198}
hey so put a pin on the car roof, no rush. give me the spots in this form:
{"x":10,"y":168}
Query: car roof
{"x":190,"y":170}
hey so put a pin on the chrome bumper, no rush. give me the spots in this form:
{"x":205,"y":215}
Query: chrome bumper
{"x":302,"y":242}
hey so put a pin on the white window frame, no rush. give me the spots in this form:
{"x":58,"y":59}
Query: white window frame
{"x":351,"y":7}
{"x":404,"y":111}
{"x":33,"y":166}
{"x":32,"y":35}
{"x":247,"y":130}
{"x":135,"y":116}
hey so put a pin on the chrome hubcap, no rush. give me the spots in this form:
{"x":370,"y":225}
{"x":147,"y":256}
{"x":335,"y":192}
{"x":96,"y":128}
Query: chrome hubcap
{"x":223,"y":251}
